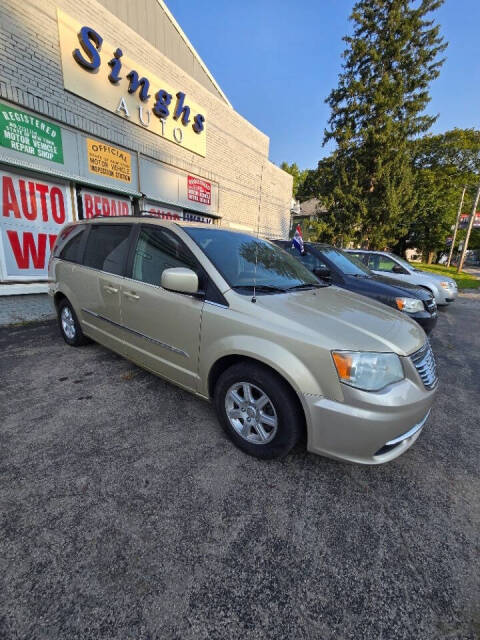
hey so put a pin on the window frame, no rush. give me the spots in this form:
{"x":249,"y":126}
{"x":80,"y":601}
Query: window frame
{"x":83,"y":233}
{"x":400,"y":264}
{"x":381,"y":256}
{"x":206,"y":286}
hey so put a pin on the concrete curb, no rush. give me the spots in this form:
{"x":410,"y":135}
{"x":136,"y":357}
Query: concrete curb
{"x":24,"y":309}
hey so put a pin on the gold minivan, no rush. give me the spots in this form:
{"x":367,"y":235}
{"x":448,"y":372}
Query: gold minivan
{"x":236,"y":319}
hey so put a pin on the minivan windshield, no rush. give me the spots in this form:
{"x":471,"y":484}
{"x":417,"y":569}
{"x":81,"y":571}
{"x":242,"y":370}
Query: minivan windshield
{"x":245,"y":261}
{"x":347,"y":264}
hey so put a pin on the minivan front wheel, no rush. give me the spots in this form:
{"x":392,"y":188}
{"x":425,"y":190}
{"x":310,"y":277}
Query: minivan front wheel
{"x":69,"y":325}
{"x":258,"y":410}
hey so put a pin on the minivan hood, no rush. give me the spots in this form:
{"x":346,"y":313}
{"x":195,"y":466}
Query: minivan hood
{"x":343,"y":320}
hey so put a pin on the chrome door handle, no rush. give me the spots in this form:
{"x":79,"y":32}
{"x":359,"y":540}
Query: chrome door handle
{"x":110,"y":289}
{"x":131,"y":294}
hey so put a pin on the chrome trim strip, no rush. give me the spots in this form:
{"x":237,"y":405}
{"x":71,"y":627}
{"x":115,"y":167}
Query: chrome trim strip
{"x":410,"y":433}
{"x":169,"y":347}
{"x":216,"y":304}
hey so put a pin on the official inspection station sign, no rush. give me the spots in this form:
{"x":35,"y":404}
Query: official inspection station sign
{"x":21,"y":131}
{"x":108,"y":161}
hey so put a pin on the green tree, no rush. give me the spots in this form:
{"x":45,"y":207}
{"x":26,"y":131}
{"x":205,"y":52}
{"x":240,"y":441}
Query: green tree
{"x":443,"y":164}
{"x":459,"y":148}
{"x":319,"y":230}
{"x":473,"y":243}
{"x":437,"y":197}
{"x":298,"y":175}
{"x":377,"y":108}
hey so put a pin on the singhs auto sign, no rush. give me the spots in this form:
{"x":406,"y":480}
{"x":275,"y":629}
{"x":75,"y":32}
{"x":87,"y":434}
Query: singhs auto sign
{"x":32,"y":213}
{"x":104,"y":74}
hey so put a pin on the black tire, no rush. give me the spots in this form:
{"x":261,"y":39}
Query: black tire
{"x":282,"y":407}
{"x":77,"y":339}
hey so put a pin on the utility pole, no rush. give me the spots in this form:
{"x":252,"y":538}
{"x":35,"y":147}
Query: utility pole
{"x":469,"y":230}
{"x":456,"y":226}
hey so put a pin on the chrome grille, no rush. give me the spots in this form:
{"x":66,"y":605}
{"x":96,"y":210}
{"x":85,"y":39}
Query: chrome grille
{"x":424,"y":362}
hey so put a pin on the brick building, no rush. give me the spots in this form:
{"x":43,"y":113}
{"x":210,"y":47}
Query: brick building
{"x":107,"y":109}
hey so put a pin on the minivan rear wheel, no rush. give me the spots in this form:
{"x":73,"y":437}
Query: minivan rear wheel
{"x":69,"y":325}
{"x":258,"y":410}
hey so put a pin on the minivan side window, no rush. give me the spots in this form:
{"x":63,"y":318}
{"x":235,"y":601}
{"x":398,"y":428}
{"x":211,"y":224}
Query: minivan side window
{"x":68,"y":243}
{"x":107,"y":247}
{"x":158,"y":249}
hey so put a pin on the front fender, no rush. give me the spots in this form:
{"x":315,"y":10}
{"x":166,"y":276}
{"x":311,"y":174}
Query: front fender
{"x":277,"y":357}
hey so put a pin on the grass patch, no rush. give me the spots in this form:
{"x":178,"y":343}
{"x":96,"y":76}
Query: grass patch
{"x":463,"y":280}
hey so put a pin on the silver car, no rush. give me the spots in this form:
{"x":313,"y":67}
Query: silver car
{"x":443,"y":288}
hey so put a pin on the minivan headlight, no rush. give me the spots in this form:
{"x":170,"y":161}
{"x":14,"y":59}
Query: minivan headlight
{"x":409,"y":305}
{"x":366,"y":370}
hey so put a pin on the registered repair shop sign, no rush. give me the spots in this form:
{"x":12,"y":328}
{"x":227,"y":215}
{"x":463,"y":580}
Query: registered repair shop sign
{"x":26,"y":133}
{"x":110,"y":162}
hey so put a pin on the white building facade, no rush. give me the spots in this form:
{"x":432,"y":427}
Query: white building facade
{"x":106,"y":109}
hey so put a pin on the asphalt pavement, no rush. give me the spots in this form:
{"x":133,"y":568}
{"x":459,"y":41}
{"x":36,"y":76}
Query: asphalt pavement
{"x":125,"y":513}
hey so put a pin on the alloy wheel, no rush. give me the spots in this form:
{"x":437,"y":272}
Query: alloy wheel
{"x":251,"y":413}
{"x":68,"y":323}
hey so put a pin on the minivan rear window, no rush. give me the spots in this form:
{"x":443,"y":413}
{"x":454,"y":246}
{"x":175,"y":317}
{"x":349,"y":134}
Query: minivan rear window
{"x":68,"y":243}
{"x":107,"y":247}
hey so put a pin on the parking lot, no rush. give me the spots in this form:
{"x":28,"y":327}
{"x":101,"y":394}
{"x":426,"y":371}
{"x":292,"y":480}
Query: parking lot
{"x":126,"y":513}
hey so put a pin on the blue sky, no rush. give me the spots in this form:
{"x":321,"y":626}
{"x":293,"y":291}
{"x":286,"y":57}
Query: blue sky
{"x":277,"y":60}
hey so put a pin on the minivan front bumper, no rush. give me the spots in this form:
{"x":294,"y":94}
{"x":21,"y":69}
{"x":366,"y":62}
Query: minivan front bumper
{"x":368,"y":428}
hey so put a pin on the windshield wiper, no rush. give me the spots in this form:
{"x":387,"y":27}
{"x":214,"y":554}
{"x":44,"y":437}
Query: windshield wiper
{"x":361,"y":275}
{"x":260,"y":287}
{"x":309,"y":285}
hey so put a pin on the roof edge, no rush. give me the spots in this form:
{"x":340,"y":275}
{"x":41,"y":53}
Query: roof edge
{"x":193,"y":50}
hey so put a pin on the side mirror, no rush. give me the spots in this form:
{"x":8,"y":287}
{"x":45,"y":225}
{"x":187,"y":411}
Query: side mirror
{"x":398,"y":269}
{"x":180,"y":279}
{"x":323,"y":272}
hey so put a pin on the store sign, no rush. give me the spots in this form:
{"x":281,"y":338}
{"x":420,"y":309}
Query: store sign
{"x":159,"y":211}
{"x":108,"y":161}
{"x":190,"y":216}
{"x":33,"y":212}
{"x":21,"y":131}
{"x":96,"y":203}
{"x":100,"y":72}
{"x":465,"y":218}
{"x":199,"y":190}
{"x":166,"y":213}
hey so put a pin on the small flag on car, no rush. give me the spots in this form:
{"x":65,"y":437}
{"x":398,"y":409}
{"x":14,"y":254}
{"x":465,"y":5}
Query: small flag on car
{"x":297,"y":240}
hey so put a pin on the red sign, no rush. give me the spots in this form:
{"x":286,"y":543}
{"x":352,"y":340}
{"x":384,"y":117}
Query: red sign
{"x":164,"y":213}
{"x":97,"y":204}
{"x":33,"y":212}
{"x":199,"y":190}
{"x":465,"y":217}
